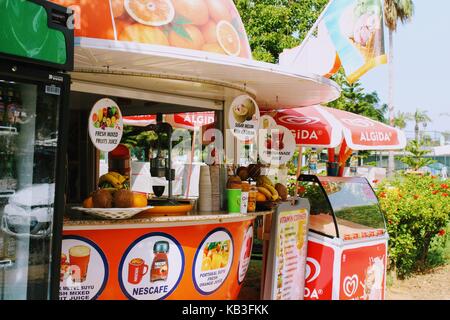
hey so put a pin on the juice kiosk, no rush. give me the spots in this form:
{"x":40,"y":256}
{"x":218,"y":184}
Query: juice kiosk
{"x":139,"y":59}
{"x":36,"y":53}
{"x":347,"y":242}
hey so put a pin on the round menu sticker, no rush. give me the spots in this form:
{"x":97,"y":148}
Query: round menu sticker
{"x":212,"y":261}
{"x":84,"y":269}
{"x":105,"y":125}
{"x":151,"y":267}
{"x":276,"y":145}
{"x":246,"y":254}
{"x":243,"y":118}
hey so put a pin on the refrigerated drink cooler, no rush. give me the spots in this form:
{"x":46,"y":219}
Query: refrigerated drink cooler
{"x":36,"y":51}
{"x":347,"y":241}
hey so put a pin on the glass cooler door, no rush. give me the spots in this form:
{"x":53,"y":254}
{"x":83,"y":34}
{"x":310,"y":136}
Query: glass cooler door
{"x":29,"y":123}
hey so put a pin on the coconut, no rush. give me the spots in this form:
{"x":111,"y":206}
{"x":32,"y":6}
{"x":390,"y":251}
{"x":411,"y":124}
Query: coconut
{"x":102,"y":199}
{"x":123,"y":199}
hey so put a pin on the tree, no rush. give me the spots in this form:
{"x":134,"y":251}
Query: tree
{"x":415,"y":159}
{"x":394,"y":10}
{"x":354,"y":99}
{"x":275,"y":25}
{"x":401,"y":119}
{"x":419,"y":117}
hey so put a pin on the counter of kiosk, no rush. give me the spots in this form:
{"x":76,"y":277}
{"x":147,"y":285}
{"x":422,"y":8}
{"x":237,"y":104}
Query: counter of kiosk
{"x":166,"y":257}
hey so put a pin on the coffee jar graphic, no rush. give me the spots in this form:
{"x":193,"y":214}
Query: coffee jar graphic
{"x":160,"y":265}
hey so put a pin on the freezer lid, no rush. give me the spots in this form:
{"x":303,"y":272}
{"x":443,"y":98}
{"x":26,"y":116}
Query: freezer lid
{"x":343,"y":207}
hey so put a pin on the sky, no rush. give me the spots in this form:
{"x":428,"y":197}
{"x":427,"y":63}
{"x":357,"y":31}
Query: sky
{"x":422,"y":65}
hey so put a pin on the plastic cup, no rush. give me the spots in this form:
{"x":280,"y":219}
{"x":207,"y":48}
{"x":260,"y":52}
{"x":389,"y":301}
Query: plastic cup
{"x":234,"y":200}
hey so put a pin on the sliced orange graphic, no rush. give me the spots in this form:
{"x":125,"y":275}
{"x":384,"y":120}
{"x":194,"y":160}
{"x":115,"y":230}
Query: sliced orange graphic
{"x":151,"y":12}
{"x":228,"y":38}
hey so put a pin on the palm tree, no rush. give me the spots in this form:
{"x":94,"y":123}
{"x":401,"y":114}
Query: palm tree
{"x":401,"y":119}
{"x":394,"y":10}
{"x":419,"y":117}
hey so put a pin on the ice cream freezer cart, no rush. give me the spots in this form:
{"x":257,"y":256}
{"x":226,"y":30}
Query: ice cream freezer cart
{"x":347,"y":241}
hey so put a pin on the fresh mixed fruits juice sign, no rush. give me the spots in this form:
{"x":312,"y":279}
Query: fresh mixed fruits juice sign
{"x":105,"y":125}
{"x":206,"y":261}
{"x":243,"y":118}
{"x":84,"y":269}
{"x":206,"y":25}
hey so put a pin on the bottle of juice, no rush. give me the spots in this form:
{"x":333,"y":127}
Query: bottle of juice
{"x":2,"y":107}
{"x":312,"y":161}
{"x":354,"y":164}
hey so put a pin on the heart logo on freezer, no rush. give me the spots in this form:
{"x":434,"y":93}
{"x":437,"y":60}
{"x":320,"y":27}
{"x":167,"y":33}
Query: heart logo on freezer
{"x":350,"y":285}
{"x":312,"y":269}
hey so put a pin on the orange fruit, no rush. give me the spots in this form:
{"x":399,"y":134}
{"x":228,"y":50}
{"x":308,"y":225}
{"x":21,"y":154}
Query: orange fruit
{"x":117,"y":7}
{"x":213,"y":47}
{"x":196,"y":11}
{"x":196,"y":42}
{"x":218,"y":10}
{"x":151,"y":12}
{"x":260,"y":197}
{"x":228,"y":38}
{"x":209,"y":31}
{"x":88,"y":203}
{"x":143,"y":34}
{"x":139,"y":200}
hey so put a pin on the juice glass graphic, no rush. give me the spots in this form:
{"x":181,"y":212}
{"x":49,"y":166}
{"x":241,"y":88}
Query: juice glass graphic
{"x":278,"y":144}
{"x":79,"y":261}
{"x":137,"y":269}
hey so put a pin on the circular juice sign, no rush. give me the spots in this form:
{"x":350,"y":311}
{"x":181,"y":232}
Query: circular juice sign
{"x":105,"y":125}
{"x":243,"y":118}
{"x":276,"y":145}
{"x":84,"y":269}
{"x":213,"y":260}
{"x":151,"y":267}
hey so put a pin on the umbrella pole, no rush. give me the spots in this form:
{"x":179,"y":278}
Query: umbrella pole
{"x":299,"y":166}
{"x":190,"y":164}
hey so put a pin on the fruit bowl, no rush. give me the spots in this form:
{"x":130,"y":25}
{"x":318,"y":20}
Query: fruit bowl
{"x":113,"y":213}
{"x":266,"y":205}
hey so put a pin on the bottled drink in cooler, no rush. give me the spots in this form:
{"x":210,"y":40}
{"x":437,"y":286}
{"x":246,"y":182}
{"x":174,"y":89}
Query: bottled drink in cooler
{"x":2,"y":106}
{"x":353,"y":164}
{"x":313,"y":159}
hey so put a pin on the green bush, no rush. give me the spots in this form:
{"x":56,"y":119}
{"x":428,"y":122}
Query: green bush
{"x":417,"y":211}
